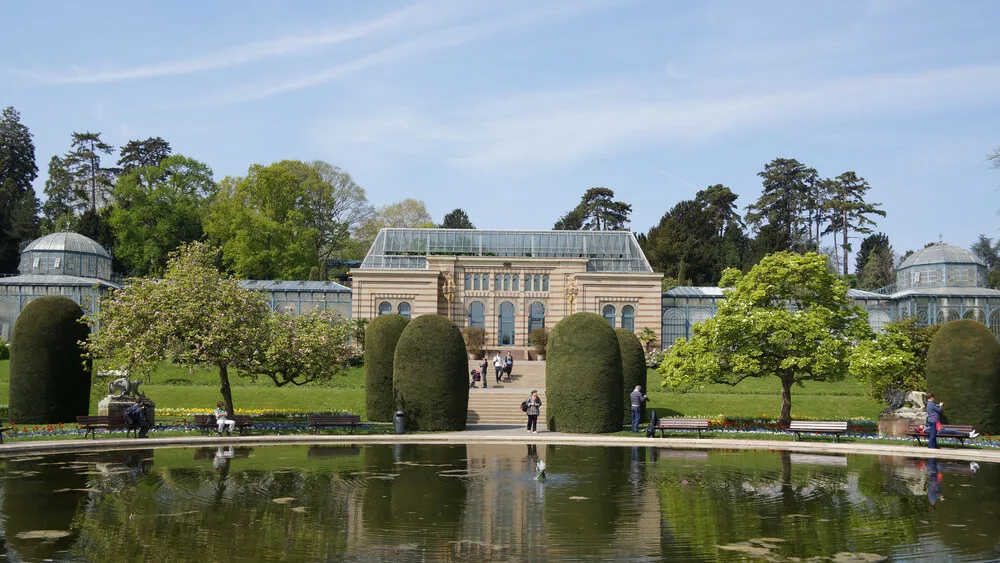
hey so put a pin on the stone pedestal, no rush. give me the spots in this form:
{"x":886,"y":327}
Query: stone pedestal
{"x":115,"y":406}
{"x":894,"y":424}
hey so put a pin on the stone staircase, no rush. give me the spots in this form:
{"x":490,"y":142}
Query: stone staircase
{"x":501,"y":403}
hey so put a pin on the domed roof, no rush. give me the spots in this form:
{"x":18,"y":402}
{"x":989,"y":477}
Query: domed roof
{"x":67,"y":242}
{"x":941,"y":253}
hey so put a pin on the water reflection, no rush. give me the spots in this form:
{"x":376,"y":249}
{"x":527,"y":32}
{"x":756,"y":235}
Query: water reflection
{"x":485,"y":503}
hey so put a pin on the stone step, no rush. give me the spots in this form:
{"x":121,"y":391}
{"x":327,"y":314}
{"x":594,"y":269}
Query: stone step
{"x":489,"y":406}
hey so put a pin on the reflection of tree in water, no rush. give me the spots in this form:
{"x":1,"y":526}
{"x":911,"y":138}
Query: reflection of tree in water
{"x":206,"y":514}
{"x":818,"y":510}
{"x":409,"y":503}
{"x":41,"y":494}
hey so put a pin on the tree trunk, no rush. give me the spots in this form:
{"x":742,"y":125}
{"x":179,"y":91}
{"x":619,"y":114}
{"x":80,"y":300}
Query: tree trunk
{"x":787,"y":379}
{"x":846,"y":245}
{"x":227,"y":392}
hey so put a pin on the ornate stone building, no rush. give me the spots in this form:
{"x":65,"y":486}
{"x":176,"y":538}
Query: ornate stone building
{"x":508,"y":282}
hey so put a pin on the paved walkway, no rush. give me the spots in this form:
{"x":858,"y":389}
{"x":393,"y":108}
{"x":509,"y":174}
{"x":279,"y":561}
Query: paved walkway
{"x":504,"y":434}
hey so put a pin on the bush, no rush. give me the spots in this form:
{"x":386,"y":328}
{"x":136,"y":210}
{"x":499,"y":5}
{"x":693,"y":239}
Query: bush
{"x":540,"y":340}
{"x":633,"y":370}
{"x":4,"y":350}
{"x":963,"y":371}
{"x":381,"y":336}
{"x":49,"y":382}
{"x":475,"y":341}
{"x":654,"y":359}
{"x":430,"y":375}
{"x":583,"y":376}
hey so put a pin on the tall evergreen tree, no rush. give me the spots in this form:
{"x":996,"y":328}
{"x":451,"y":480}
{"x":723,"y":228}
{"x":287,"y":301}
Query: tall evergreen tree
{"x":597,"y":211}
{"x":849,"y":210}
{"x":457,"y":219}
{"x":785,"y":205}
{"x":869,"y":245}
{"x":149,"y":152}
{"x":78,"y":180}
{"x":18,"y":203}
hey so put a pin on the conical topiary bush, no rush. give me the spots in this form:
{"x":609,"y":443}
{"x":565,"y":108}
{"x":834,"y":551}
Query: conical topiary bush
{"x":963,"y":372}
{"x":583,"y":376}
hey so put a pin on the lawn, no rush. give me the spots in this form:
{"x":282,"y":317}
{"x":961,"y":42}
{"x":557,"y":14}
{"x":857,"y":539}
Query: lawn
{"x":181,"y":388}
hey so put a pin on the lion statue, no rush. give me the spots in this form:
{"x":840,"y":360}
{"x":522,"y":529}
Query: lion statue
{"x":123,"y":387}
{"x":910,"y":401}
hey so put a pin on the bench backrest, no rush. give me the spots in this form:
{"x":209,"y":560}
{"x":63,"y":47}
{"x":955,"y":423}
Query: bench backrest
{"x":103,"y":420}
{"x":683,"y":422}
{"x":831,"y":425}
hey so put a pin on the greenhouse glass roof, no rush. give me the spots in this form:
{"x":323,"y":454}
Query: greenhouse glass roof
{"x":408,"y":249}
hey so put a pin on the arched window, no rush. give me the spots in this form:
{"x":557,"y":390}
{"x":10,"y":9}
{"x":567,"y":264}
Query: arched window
{"x":404,"y":309}
{"x":545,"y":282}
{"x":628,"y":318}
{"x":475,"y":282}
{"x":538,"y":282}
{"x":385,"y":308}
{"x":506,"y":282}
{"x":468,"y":282}
{"x":514,"y":283}
{"x":477,"y":314}
{"x":505,"y":323}
{"x":486,"y":282}
{"x":609,"y":314}
{"x":536,"y":318}
{"x":496,"y":283}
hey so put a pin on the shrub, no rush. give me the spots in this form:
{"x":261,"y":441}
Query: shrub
{"x":583,"y":376}
{"x":49,"y":381}
{"x":381,"y":336}
{"x":4,"y":350}
{"x":540,"y":340}
{"x":963,"y":372}
{"x":475,"y":341}
{"x":654,"y":359}
{"x":633,"y":369}
{"x":430,"y":377}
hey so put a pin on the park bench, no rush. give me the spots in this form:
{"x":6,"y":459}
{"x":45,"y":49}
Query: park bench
{"x":207,"y":423}
{"x":11,"y":429}
{"x":835,"y":427}
{"x":663,"y":424}
{"x":317,"y":421}
{"x":959,"y":432}
{"x":90,"y":424}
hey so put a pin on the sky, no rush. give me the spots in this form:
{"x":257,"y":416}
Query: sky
{"x":512,"y":110}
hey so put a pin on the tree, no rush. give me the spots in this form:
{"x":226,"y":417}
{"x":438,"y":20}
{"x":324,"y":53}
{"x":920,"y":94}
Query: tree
{"x":159,"y":207}
{"x":994,"y":158}
{"x":895,"y":359}
{"x":989,"y":252}
{"x":18,"y":203}
{"x":58,"y":207}
{"x":91,"y":183}
{"x":784,"y":204}
{"x":868,"y":245}
{"x":313,"y":346}
{"x":194,"y":316}
{"x":597,"y":211}
{"x":265,"y":222}
{"x":457,"y":219}
{"x":880,"y":269}
{"x":787,"y":317}
{"x":137,"y":154}
{"x":849,"y":210}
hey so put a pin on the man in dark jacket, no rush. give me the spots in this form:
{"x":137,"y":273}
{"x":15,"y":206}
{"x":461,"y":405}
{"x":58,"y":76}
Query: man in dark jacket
{"x":933,"y":418}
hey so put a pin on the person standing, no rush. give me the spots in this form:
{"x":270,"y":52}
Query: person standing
{"x":508,"y":365}
{"x":482,"y":369}
{"x":534,"y":403}
{"x":933,"y":420}
{"x":498,"y":365}
{"x":637,"y":399}
{"x":222,"y":419}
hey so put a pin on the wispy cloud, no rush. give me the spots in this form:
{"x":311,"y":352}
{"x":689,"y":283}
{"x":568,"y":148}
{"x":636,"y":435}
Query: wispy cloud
{"x":240,"y":55}
{"x":560,"y":128}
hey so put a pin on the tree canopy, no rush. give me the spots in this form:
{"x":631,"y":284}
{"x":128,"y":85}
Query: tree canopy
{"x":457,"y":219}
{"x":787,"y":317}
{"x":597,"y":211}
{"x":18,"y":203}
{"x":848,"y":209}
{"x":785,"y":204}
{"x":895,"y":359}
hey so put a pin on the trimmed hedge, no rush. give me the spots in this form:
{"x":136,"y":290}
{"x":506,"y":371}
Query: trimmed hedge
{"x":430,"y":377}
{"x":49,"y":382}
{"x":633,"y":370}
{"x":583,"y":376}
{"x":963,"y":372}
{"x":381,"y":336}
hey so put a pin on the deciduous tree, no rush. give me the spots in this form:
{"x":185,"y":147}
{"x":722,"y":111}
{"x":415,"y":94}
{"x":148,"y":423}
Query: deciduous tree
{"x":895,"y":359}
{"x":787,"y":317}
{"x":314,"y":346}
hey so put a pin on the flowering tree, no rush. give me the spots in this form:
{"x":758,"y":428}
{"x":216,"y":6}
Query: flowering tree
{"x":194,"y":316}
{"x":787,"y":317}
{"x":310,"y":347}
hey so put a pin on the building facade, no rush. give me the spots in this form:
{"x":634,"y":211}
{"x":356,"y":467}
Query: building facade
{"x":508,"y":282}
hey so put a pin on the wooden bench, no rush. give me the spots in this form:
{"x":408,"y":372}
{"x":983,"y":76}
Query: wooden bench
{"x":207,"y":423}
{"x":90,"y":424}
{"x":663,"y":424}
{"x":11,"y":429}
{"x":960,"y":432}
{"x":835,"y":427}
{"x":317,"y":421}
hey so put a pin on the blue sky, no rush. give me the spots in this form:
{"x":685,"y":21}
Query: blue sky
{"x":511,"y":110}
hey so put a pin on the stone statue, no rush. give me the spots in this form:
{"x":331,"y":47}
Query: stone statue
{"x":904,"y":403}
{"x":124,"y":387}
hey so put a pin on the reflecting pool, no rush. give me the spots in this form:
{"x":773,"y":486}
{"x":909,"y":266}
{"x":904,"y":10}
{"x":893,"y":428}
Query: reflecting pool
{"x":487,"y":503}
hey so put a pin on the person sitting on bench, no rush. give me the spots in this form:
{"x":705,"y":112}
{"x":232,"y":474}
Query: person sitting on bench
{"x":945,"y":431}
{"x":222,"y":419}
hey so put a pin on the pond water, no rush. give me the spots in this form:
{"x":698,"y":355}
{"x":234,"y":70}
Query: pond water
{"x":485,"y":503}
